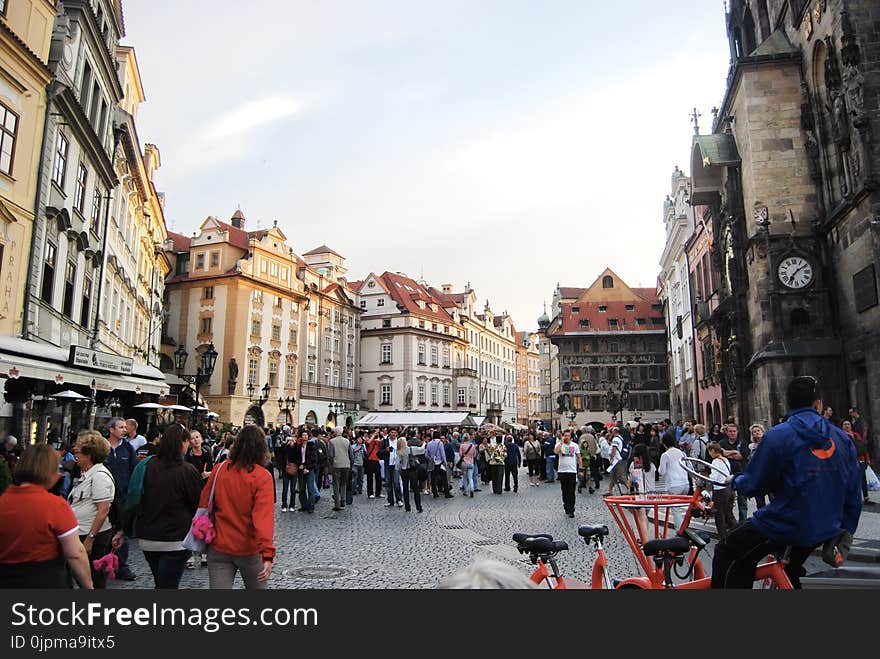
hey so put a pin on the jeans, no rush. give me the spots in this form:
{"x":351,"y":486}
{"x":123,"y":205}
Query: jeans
{"x":374,"y":475}
{"x":392,"y":482}
{"x":476,"y":477}
{"x":357,"y":479}
{"x":410,"y":479}
{"x":864,"y":467}
{"x":736,"y":557}
{"x":222,"y":568}
{"x":304,"y":484}
{"x":340,"y":486}
{"x":511,"y":470}
{"x":101,"y":546}
{"x":288,"y":483}
{"x":314,"y":481}
{"x":567,"y":482}
{"x":167,"y":567}
{"x":742,"y":504}
{"x":467,"y":478}
{"x":551,"y":464}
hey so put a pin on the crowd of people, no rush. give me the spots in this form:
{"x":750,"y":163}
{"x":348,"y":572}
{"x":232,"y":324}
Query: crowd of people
{"x":68,"y":511}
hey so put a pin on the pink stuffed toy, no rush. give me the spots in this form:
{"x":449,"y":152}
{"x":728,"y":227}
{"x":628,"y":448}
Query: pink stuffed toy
{"x":203,"y":529}
{"x":108,"y":564}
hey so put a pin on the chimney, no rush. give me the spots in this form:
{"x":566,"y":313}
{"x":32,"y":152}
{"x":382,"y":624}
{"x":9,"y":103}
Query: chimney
{"x":238,"y":219}
{"x":447,"y":288}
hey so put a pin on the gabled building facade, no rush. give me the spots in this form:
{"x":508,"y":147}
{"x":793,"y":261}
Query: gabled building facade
{"x":611,"y":340}
{"x":410,"y":346}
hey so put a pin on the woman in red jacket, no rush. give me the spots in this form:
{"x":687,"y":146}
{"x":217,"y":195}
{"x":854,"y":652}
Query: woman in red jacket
{"x":244,"y":518}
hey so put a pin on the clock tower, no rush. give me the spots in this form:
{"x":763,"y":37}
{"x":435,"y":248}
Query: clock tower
{"x":775,"y":317}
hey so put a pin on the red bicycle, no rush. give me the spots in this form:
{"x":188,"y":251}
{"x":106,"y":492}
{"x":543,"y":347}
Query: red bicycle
{"x":662,"y":556}
{"x":542,"y":550}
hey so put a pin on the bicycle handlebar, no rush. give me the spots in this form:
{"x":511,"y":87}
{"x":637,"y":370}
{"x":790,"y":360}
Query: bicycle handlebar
{"x":685,"y":462}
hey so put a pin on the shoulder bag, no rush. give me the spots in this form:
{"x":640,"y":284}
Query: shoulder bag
{"x":201,"y":531}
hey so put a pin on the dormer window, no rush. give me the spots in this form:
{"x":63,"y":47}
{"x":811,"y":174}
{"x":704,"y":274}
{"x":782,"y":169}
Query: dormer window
{"x":380,"y":302}
{"x":603,"y":308}
{"x":575,"y":309}
{"x":630,"y":307}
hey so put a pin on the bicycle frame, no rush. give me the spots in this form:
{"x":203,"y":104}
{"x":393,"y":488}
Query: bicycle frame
{"x":654,"y":577}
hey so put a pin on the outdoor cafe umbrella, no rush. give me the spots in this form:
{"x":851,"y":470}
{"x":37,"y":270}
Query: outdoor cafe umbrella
{"x":66,"y":397}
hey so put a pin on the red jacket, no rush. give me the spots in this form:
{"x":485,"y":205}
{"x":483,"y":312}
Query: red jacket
{"x":244,"y":511}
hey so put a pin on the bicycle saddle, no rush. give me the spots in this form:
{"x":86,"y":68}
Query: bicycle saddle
{"x":544,"y":545}
{"x":675,"y":546}
{"x":520,"y":538}
{"x":588,"y":531}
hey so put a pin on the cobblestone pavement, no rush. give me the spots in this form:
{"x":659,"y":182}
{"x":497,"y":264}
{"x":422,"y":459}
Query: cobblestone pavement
{"x":370,"y":546}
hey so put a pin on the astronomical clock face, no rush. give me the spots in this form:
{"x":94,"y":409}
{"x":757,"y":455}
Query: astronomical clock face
{"x":795,"y":272}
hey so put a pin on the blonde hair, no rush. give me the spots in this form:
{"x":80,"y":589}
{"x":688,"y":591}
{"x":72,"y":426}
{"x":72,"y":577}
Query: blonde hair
{"x":700,"y":429}
{"x":92,"y":444}
{"x":756,"y":425}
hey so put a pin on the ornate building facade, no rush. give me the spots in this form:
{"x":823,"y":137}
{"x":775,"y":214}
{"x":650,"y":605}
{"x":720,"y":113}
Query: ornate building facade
{"x":789,"y":180}
{"x":612,"y":353}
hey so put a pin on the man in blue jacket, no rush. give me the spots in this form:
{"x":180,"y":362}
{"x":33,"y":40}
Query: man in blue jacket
{"x":810,"y":468}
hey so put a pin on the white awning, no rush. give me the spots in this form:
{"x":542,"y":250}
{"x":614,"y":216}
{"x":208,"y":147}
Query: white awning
{"x":47,"y":364}
{"x":382,"y":419}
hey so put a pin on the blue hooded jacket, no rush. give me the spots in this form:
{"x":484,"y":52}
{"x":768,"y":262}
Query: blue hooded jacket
{"x":810,"y":467}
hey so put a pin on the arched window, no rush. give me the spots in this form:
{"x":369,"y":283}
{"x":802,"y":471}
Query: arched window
{"x":716,"y":413}
{"x":607,"y":281}
{"x":708,"y":420}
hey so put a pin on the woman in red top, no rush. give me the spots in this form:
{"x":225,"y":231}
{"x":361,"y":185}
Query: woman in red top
{"x":372,"y":469}
{"x":861,"y":455}
{"x":244,"y":514}
{"x":38,"y":530}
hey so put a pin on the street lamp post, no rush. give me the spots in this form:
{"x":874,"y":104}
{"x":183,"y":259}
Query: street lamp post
{"x":207,"y":361}
{"x":617,"y":402}
{"x":286,"y":405}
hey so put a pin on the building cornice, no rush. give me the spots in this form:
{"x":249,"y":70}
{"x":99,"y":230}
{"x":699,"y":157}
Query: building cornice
{"x":63,"y":97}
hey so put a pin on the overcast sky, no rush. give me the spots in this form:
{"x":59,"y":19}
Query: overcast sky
{"x":513,"y":144}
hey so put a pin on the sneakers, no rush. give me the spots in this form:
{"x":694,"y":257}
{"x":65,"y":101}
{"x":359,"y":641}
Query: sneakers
{"x":372,"y":496}
{"x":190,"y":564}
{"x":472,"y":495}
{"x":336,"y":509}
{"x":571,"y":514}
{"x":204,"y":562}
{"x":400,"y":504}
{"x":283,"y":509}
{"x":387,"y":504}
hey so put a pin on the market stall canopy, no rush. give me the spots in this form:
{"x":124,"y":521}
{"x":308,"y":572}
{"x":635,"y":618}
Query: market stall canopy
{"x":518,"y":426}
{"x":382,"y":419}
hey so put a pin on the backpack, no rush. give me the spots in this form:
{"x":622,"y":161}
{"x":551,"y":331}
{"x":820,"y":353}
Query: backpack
{"x":626,"y":451}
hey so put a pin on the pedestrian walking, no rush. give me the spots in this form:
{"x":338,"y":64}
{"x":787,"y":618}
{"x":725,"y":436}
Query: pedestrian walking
{"x":372,"y":470}
{"x":532,"y":452}
{"x":569,"y":462}
{"x":512,"y":463}
{"x":497,"y":456}
{"x":408,"y":460}
{"x":467,"y":466}
{"x":170,"y":496}
{"x":39,"y":532}
{"x":358,"y":454}
{"x":674,"y":475}
{"x":722,"y":493}
{"x":436,"y":455}
{"x":339,"y":459}
{"x":244,"y":520}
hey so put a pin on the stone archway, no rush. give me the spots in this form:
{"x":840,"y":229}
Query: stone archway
{"x":254,"y":415}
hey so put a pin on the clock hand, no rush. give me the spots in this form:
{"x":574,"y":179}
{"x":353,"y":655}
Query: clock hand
{"x":798,"y":270}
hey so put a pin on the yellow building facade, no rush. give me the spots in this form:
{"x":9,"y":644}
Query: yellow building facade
{"x":25,"y":37}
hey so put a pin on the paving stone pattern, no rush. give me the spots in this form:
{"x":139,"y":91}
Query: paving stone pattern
{"x":367,"y":545}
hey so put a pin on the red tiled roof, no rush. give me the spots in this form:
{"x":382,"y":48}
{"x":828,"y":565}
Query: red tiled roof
{"x":181,"y":242}
{"x":355,"y":286}
{"x":570,"y":292}
{"x":449,"y":299}
{"x":598,"y":320}
{"x":323,"y":249}
{"x":405,"y":291}
{"x":237,"y":237}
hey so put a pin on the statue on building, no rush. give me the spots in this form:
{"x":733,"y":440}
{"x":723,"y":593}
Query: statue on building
{"x":407,"y":397}
{"x":233,"y":375}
